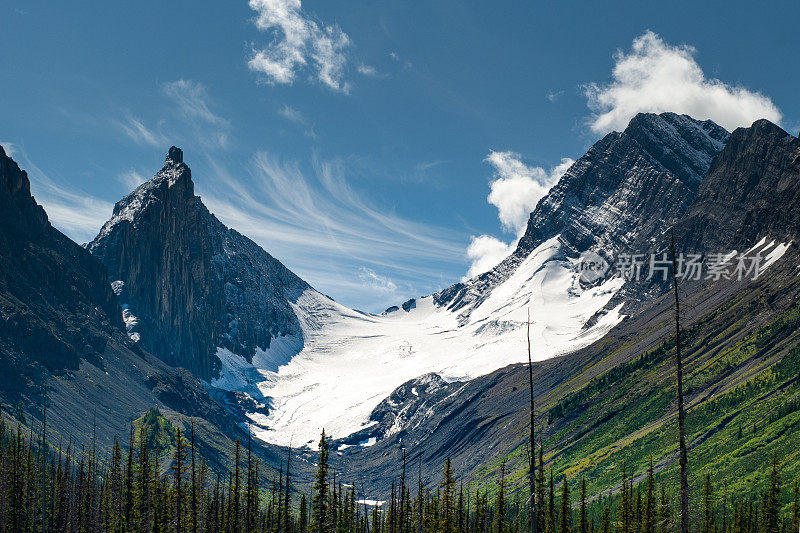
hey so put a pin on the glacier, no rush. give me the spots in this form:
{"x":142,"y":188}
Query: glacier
{"x":350,"y":361}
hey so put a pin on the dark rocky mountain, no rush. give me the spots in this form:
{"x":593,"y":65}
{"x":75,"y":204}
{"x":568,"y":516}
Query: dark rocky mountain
{"x":63,"y":344}
{"x":61,"y":328}
{"x":409,"y":406}
{"x":188,"y":283}
{"x":751,"y":191}
{"x":621,"y":195}
{"x":613,"y":400}
{"x":55,"y":301}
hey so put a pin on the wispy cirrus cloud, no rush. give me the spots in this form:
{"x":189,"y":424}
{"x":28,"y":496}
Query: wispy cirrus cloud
{"x":194,"y":108}
{"x":376,"y":282}
{"x":299,"y":43}
{"x":331,"y":234}
{"x":297,"y":118}
{"x":131,"y":179}
{"x":136,"y":129}
{"x":655,"y":77}
{"x":193,"y":101}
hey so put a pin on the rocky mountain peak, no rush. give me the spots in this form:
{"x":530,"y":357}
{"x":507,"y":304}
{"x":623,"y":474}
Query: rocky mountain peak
{"x":752,"y":191}
{"x":175,"y":155}
{"x":620,"y":195}
{"x":17,"y":206}
{"x":56,"y":305}
{"x":188,"y":284}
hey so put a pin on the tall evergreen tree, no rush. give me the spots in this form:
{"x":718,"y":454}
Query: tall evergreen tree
{"x":565,"y":522}
{"x":650,"y":501}
{"x":584,"y":525}
{"x":178,"y":488}
{"x":708,"y":525}
{"x":500,"y":502}
{"x":772,"y":499}
{"x":447,"y":521}
{"x":319,"y":520}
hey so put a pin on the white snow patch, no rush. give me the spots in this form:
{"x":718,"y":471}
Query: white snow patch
{"x":131,"y":321}
{"x":351,"y":361}
{"x":373,"y":503}
{"x":117,"y":286}
{"x":236,"y":374}
{"x":773,"y":256}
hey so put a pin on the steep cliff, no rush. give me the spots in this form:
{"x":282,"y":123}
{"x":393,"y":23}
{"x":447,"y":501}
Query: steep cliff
{"x":56,"y":305}
{"x":751,"y":192}
{"x":621,"y":195}
{"x":188,"y":284}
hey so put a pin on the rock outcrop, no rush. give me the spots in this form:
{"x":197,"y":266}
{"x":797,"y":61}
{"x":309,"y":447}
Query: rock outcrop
{"x":56,"y":305}
{"x":187,"y":283}
{"x":752,"y":191}
{"x":621,"y":195}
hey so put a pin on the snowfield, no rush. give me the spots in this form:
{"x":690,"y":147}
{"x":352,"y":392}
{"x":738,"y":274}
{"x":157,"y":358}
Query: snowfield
{"x":350,"y":360}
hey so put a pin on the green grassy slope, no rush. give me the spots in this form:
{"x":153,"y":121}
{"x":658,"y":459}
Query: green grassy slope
{"x":742,"y":364}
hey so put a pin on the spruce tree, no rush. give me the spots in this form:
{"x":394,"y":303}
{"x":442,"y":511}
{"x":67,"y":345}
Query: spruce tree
{"x":447,"y":521}
{"x":772,"y":500}
{"x":708,"y":525}
{"x":500,"y":503}
{"x":650,"y":501}
{"x":565,"y":523}
{"x":584,"y":525}
{"x":319,"y":520}
{"x":551,"y":506}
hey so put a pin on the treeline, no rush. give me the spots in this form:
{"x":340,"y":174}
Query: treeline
{"x":67,"y":489}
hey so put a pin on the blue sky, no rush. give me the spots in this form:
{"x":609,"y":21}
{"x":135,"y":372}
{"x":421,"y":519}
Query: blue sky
{"x":382,"y":150}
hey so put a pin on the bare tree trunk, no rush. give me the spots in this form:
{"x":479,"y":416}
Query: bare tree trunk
{"x":532,"y":466}
{"x":683,"y":460}
{"x":403,"y":492}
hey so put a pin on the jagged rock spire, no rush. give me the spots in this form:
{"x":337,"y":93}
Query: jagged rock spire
{"x":175,"y":155}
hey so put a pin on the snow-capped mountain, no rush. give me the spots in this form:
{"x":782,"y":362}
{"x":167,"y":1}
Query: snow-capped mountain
{"x":189,"y":286}
{"x":606,"y":401}
{"x":624,"y":193}
{"x":620,"y":196}
{"x":294,"y":361}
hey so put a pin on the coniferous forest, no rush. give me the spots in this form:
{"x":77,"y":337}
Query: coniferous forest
{"x":67,"y":489}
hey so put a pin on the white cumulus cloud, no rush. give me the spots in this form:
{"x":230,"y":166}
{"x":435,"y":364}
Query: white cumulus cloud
{"x":485,"y":252}
{"x":298,"y":43}
{"x":515,"y":191}
{"x":655,"y":77}
{"x":517,"y":187}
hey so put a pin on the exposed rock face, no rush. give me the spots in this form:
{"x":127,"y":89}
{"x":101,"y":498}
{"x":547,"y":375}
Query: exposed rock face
{"x":56,"y":305}
{"x":61,"y":332}
{"x":188,"y":283}
{"x":621,"y":195}
{"x":408,"y":407}
{"x":752,"y":190}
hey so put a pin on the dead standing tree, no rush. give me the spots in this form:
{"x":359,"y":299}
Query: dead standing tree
{"x":683,"y":459}
{"x":532,"y":454}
